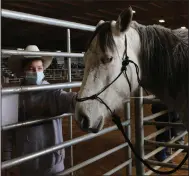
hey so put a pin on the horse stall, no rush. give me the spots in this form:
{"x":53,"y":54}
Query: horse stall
{"x":124,"y":162}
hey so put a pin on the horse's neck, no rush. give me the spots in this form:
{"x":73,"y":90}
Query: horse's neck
{"x":178,"y":104}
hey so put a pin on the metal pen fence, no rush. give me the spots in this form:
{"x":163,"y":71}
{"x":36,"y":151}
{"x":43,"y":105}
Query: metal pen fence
{"x":141,"y":140}
{"x":17,"y":90}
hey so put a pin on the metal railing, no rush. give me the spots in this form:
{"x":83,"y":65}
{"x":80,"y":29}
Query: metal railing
{"x":16,"y":90}
{"x":40,"y":53}
{"x":96,"y":158}
{"x":21,"y":159}
{"x":45,"y":20}
{"x":21,"y":89}
{"x":32,"y":122}
{"x":141,"y":140}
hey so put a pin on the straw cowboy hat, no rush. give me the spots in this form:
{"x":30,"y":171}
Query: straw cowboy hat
{"x":15,"y":62}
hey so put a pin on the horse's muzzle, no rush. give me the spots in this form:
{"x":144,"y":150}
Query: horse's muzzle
{"x":86,"y":126}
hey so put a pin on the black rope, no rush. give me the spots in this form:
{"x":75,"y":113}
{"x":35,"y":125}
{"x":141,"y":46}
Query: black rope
{"x":117,"y":121}
{"x":95,"y":96}
{"x":126,"y":62}
{"x":105,"y":104}
{"x":128,"y":81}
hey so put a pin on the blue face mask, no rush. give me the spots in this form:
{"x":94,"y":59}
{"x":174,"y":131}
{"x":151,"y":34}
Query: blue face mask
{"x":34,"y":78}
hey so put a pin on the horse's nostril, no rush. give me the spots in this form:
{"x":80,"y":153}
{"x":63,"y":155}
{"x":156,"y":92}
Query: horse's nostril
{"x":94,"y":130}
{"x":84,"y":122}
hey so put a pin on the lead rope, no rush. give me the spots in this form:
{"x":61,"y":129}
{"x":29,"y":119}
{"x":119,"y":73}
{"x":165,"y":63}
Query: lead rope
{"x":117,"y":121}
{"x":116,"y":118}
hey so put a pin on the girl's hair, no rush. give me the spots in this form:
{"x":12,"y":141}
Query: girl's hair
{"x":27,"y":61}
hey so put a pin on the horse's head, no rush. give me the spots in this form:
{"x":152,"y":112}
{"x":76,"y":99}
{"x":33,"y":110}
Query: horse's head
{"x":103,"y":62}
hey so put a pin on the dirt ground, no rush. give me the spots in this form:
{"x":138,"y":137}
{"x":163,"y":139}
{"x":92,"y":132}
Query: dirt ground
{"x":91,"y":148}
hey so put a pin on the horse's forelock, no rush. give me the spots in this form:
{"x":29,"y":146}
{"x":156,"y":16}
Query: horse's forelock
{"x":105,"y":37}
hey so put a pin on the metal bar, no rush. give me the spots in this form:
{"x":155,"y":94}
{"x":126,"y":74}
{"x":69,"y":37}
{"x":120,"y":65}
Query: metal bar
{"x":165,"y":161}
{"x":40,"y":53}
{"x":44,"y":20}
{"x":32,"y":122}
{"x":20,"y":89}
{"x":1,"y":137}
{"x":69,"y":51}
{"x":126,"y":163}
{"x":161,"y":148}
{"x":149,"y":97}
{"x":70,"y":80}
{"x":21,"y":159}
{"x":152,"y":135}
{"x":152,"y":162}
{"x":164,"y":124}
{"x":92,"y":160}
{"x":128,"y":132}
{"x":170,"y":135}
{"x":151,"y":101}
{"x":153,"y":116}
{"x":139,"y":131}
{"x":177,"y":146}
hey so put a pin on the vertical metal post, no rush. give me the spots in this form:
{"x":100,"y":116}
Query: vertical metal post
{"x":127,"y":115}
{"x":69,"y":80}
{"x":170,"y":133}
{"x":139,"y":131}
{"x":0,"y":103}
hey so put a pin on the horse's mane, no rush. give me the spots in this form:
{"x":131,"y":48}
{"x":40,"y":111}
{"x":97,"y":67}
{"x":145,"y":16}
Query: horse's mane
{"x":164,"y":56}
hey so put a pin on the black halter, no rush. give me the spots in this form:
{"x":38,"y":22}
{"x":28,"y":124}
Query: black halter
{"x":125,"y":63}
{"x":116,"y":118}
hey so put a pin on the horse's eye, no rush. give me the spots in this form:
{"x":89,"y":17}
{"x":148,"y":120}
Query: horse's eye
{"x":110,"y":59}
{"x":106,"y":60}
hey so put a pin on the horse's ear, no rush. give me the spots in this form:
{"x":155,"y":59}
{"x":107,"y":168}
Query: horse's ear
{"x":124,"y":20}
{"x":99,"y":23}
